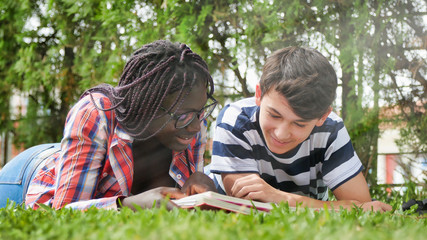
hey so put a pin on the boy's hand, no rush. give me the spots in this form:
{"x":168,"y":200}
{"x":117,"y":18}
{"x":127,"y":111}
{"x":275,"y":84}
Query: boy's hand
{"x":197,"y":183}
{"x":253,"y":187}
{"x":156,"y":195}
{"x":376,"y":206}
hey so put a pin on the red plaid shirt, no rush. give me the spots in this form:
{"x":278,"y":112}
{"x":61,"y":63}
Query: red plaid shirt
{"x":95,"y":164}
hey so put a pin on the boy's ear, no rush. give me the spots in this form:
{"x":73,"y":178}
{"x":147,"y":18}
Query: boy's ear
{"x":258,"y":95}
{"x":323,"y":118}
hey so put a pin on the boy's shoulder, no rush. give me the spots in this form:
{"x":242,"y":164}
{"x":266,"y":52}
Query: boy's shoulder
{"x":333,"y":123}
{"x":244,"y":103}
{"x":333,"y":118}
{"x":246,"y":106}
{"x":242,"y":110}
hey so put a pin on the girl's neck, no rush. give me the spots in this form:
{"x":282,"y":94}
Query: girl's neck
{"x":147,"y":147}
{"x":151,"y":161}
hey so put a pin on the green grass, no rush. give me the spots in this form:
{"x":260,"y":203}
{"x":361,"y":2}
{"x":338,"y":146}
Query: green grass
{"x":281,"y":223}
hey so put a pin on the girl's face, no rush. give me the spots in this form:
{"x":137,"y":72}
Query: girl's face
{"x":171,"y":137}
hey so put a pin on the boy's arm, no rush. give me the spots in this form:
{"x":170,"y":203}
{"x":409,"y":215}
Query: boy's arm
{"x":357,"y":189}
{"x":252,"y":186}
{"x":354,"y":189}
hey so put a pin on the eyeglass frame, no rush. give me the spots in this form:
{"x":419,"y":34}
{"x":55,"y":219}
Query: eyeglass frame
{"x":177,"y":116}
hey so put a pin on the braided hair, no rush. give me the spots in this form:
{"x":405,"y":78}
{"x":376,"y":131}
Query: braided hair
{"x":152,"y":73}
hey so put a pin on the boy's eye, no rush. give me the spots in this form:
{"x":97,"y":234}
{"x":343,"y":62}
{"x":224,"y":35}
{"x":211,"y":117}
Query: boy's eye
{"x":299,"y":125}
{"x":274,"y":115}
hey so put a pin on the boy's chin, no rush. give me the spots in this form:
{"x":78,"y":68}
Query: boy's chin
{"x":280,"y":150}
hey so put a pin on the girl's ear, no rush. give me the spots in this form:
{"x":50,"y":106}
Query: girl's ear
{"x":323,"y":118}
{"x":258,"y":95}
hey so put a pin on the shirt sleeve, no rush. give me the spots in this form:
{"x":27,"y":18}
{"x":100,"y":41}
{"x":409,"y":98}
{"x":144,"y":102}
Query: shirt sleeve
{"x":341,"y":161}
{"x":83,"y":155}
{"x":232,"y":151}
{"x":109,"y":203}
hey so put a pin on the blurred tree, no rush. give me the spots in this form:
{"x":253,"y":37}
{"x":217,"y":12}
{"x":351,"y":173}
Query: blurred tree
{"x":73,"y":45}
{"x":13,"y":17}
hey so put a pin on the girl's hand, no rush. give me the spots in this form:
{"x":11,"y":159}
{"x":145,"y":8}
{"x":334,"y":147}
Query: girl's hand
{"x":198,"y":182}
{"x":153,"y":198}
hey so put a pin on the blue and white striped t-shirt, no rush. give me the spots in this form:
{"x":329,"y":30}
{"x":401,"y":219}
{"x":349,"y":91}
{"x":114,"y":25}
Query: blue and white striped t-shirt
{"x":326,"y":159}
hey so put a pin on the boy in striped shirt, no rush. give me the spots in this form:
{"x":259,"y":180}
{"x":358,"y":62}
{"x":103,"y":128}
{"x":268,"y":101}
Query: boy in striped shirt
{"x":285,"y":144}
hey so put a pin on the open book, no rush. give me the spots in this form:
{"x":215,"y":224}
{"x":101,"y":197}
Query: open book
{"x":213,"y":200}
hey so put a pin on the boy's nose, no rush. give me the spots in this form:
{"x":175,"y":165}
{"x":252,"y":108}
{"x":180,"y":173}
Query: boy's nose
{"x":282,"y":132}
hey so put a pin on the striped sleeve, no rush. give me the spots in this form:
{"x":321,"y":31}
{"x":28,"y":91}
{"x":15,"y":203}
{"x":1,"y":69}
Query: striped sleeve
{"x":232,"y":151}
{"x":341,"y":162}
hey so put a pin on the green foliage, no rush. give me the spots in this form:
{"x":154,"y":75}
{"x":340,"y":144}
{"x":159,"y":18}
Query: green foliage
{"x":396,"y":195}
{"x":51,"y":51}
{"x":364,"y":134}
{"x":13,"y":15}
{"x":413,"y":135}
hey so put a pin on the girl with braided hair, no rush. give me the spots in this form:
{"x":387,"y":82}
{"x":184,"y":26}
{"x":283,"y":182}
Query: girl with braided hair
{"x":136,"y":144}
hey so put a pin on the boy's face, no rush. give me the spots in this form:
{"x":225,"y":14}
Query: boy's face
{"x":282,"y":129}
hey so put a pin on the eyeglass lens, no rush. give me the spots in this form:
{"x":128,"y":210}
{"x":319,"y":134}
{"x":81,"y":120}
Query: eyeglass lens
{"x":187,"y":118}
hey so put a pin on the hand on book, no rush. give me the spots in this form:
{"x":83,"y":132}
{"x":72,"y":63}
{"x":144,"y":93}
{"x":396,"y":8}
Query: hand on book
{"x":198,"y":182}
{"x":253,"y":187}
{"x":156,"y":195}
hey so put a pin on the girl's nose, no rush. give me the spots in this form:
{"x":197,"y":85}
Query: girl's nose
{"x":194,"y":126}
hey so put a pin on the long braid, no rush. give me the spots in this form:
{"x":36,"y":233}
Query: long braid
{"x":151,"y":74}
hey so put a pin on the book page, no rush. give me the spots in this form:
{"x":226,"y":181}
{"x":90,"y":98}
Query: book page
{"x":221,"y":201}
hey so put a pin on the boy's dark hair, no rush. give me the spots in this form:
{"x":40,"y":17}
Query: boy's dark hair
{"x":153,"y":72}
{"x":304,"y":77}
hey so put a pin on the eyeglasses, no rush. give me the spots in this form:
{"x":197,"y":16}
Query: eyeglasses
{"x":184,"y":119}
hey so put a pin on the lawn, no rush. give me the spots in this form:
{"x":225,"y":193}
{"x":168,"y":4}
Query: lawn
{"x":281,"y":223}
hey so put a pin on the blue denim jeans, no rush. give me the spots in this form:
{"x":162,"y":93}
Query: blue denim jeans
{"x":16,"y":175}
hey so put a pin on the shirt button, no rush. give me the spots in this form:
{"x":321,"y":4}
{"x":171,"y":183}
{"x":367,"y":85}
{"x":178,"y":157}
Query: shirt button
{"x":178,"y":176}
